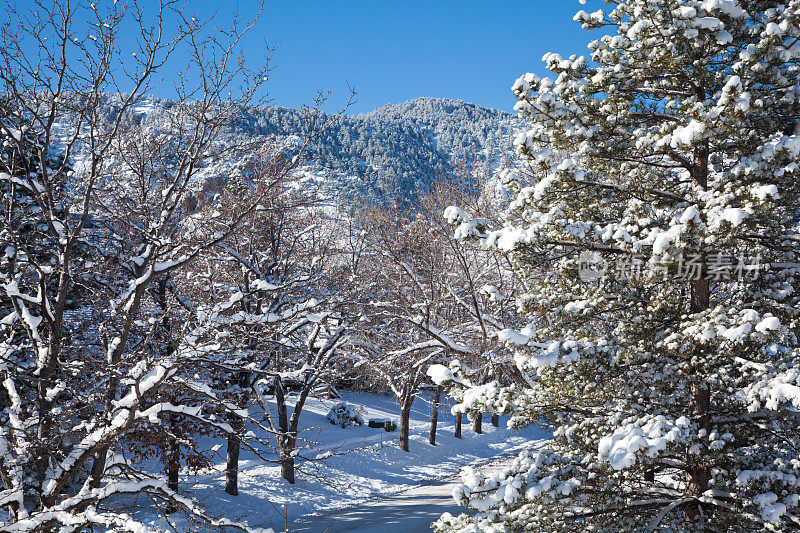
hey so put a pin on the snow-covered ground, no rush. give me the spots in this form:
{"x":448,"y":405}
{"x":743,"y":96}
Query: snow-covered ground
{"x":410,"y":511}
{"x":376,"y":467}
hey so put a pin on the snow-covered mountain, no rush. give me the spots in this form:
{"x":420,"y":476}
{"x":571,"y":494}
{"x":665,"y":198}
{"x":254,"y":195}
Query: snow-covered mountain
{"x":396,"y":151}
{"x":391,"y":153}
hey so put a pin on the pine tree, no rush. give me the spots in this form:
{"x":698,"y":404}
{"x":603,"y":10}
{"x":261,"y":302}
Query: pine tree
{"x":663,"y":341}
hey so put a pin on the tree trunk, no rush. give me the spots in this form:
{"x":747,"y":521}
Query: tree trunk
{"x":405,"y":415}
{"x":232,"y":467}
{"x":285,"y":440}
{"x":437,"y":396}
{"x":12,"y":512}
{"x":457,"y":432}
{"x":174,"y":464}
{"x":46,"y":380}
{"x":42,"y":453}
{"x":496,"y":420}
{"x":99,"y":464}
{"x":174,"y":456}
{"x":477,"y":423}
{"x":98,"y":467}
{"x":287,"y":465}
{"x":698,"y":476}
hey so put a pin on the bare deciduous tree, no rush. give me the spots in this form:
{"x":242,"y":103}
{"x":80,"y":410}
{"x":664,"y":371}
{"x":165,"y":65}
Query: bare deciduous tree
{"x":94,"y":179}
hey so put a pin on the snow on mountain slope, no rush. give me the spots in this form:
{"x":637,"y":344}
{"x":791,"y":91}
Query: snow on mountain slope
{"x":390,"y":154}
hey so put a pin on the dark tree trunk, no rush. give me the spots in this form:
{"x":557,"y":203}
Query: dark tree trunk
{"x":477,"y":422}
{"x":698,"y":476}
{"x":12,"y":511}
{"x":174,"y":456}
{"x":285,"y":440}
{"x":174,"y":464}
{"x":437,"y":396}
{"x":46,"y":380}
{"x":287,"y":466}
{"x":405,"y":416}
{"x":232,"y":467}
{"x":42,"y":453}
{"x":99,"y":464}
{"x":457,"y":432}
{"x":496,"y":420}
{"x":98,"y":467}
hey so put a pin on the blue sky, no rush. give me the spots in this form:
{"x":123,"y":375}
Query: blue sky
{"x":389,"y":51}
{"x":392,"y":51}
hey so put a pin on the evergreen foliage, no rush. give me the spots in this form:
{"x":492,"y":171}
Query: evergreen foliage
{"x":672,"y":391}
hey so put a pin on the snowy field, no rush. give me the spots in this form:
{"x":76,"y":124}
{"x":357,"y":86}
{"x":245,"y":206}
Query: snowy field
{"x":375,"y":467}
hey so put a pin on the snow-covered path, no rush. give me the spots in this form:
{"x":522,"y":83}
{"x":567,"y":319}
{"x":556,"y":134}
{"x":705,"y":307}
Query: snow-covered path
{"x":371,"y":475}
{"x":410,"y":511}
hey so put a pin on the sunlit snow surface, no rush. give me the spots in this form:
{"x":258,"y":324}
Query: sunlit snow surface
{"x":375,"y":468}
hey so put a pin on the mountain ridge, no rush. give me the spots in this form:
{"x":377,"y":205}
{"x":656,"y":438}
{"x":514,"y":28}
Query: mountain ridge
{"x":394,"y":152}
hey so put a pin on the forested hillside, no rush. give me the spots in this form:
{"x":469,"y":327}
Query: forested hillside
{"x":390,"y":154}
{"x":468,"y":132}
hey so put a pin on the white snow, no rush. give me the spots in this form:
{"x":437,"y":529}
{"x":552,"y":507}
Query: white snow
{"x":440,"y":374}
{"x":735,"y":215}
{"x":771,"y":510}
{"x":262,"y":285}
{"x":664,"y":238}
{"x":708,"y":23}
{"x":411,"y":511}
{"x":770,"y":323}
{"x":763,"y":191}
{"x":621,"y":447}
{"x":455,"y":215}
{"x":727,"y":7}
{"x":492,"y":293}
{"x":689,"y":134}
{"x":512,"y":337}
{"x":375,"y":466}
{"x":774,"y":391}
{"x":691,"y":213}
{"x":724,"y":37}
